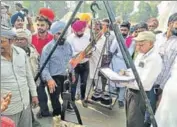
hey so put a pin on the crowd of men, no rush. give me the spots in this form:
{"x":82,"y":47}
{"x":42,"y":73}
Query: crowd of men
{"x":24,"y":50}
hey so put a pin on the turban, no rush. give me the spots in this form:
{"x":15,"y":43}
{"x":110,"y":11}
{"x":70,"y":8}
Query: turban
{"x":78,"y":25}
{"x":7,"y":32}
{"x":85,"y":17}
{"x":47,"y":13}
{"x":57,"y":26}
{"x":23,"y":34}
{"x":15,"y":16}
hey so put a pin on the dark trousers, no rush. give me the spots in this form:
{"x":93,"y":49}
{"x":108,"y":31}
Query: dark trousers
{"x":81,"y":70}
{"x":56,"y":105}
{"x":42,"y":97}
{"x":152,"y":96}
{"x":135,"y":108}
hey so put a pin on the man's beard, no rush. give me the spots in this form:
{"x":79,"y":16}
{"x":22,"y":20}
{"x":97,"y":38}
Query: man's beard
{"x":124,"y":35}
{"x":174,"y":31}
{"x":79,"y":35}
{"x":41,"y":31}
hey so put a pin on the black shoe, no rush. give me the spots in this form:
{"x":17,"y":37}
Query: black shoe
{"x":69,"y":108}
{"x":36,"y":123}
{"x":40,"y":115}
{"x":146,"y":124}
{"x":121,"y":104}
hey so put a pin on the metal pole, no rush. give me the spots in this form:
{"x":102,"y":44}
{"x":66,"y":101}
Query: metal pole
{"x":120,"y":41}
{"x":60,"y":38}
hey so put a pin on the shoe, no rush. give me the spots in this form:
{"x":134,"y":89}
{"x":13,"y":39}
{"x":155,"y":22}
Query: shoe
{"x":84,"y":103}
{"x":40,"y":115}
{"x":69,"y":108}
{"x":146,"y":124}
{"x":36,"y":123}
{"x":121,"y":104}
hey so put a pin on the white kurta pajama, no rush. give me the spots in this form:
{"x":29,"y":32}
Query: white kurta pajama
{"x":94,"y":59}
{"x":166,"y":114}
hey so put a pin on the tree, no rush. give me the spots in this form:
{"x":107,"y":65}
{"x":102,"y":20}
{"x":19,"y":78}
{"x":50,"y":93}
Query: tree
{"x":143,"y":14}
{"x":124,"y":8}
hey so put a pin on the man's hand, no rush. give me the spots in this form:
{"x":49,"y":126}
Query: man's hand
{"x":35,"y":101}
{"x":73,"y":78}
{"x":5,"y":101}
{"x":51,"y":84}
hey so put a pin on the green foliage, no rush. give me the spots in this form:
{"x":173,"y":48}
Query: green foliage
{"x":146,"y":10}
{"x":124,"y":9}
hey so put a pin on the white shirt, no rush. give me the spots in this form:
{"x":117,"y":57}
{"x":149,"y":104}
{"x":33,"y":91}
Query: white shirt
{"x":149,"y":66}
{"x":79,"y":44}
{"x":17,"y":78}
{"x":94,"y":59}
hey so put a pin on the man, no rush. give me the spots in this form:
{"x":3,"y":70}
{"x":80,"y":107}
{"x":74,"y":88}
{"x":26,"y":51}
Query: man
{"x":23,"y":41}
{"x":166,"y":47}
{"x":152,"y":23}
{"x":145,"y":62}
{"x":55,"y":72}
{"x":16,"y":77}
{"x":43,"y":22}
{"x":79,"y":41}
{"x":107,"y":31}
{"x":18,"y":7}
{"x":39,"y":40}
{"x":5,"y":18}
{"x":118,"y":62}
{"x":28,"y":20}
{"x":17,"y":22}
{"x":140,"y":27}
{"x":95,"y":64}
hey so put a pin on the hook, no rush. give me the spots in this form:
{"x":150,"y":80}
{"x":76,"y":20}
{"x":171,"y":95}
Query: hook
{"x":94,"y":4}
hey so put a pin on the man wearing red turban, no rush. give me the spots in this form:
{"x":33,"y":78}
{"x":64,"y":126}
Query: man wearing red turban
{"x":39,"y":40}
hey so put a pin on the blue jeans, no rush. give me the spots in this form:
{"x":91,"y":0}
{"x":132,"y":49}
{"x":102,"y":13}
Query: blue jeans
{"x":121,"y":94}
{"x":153,"y":100}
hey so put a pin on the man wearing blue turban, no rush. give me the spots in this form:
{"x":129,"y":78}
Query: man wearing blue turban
{"x":55,"y":72}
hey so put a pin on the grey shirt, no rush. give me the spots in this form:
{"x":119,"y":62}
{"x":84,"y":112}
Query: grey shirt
{"x":17,"y":78}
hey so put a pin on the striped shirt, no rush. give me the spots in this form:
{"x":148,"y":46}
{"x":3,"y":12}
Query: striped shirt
{"x":16,"y":77}
{"x":58,"y":62}
{"x":168,"y":52}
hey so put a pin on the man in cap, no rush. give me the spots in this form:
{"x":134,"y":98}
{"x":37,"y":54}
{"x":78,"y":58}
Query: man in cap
{"x":39,"y":40}
{"x":16,"y":77}
{"x":23,"y":41}
{"x":146,"y":61}
{"x":55,"y":72}
{"x":79,"y":40}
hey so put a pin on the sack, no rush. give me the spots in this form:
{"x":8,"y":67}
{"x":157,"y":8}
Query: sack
{"x":57,"y":122}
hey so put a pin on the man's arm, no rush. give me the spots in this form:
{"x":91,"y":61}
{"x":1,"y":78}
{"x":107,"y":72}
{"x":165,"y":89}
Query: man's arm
{"x":45,"y":73}
{"x":148,"y":74}
{"x":30,"y":79}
